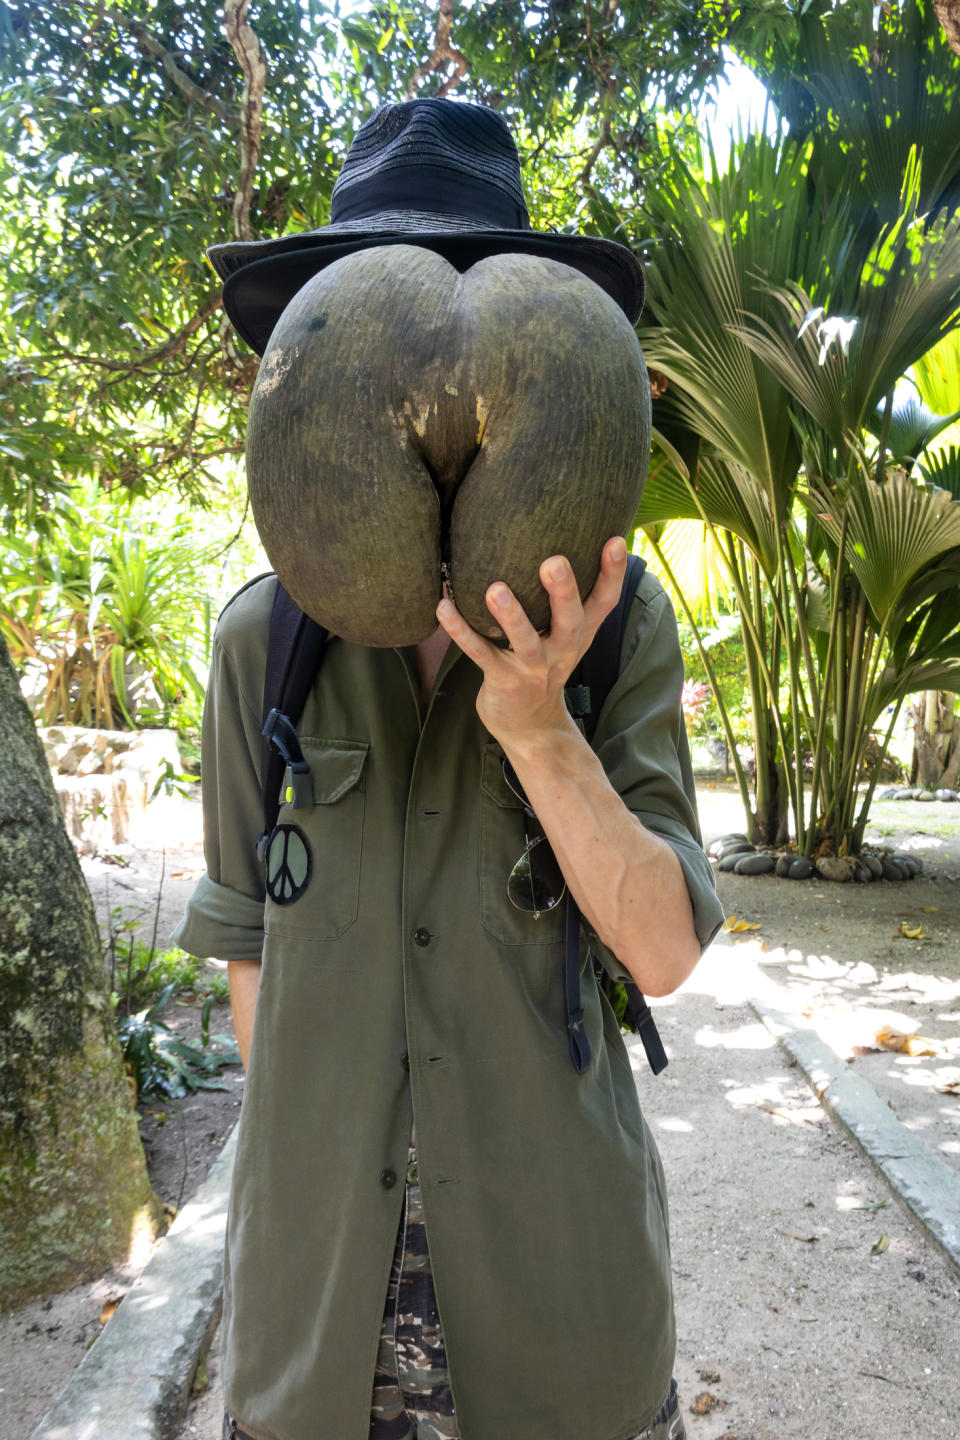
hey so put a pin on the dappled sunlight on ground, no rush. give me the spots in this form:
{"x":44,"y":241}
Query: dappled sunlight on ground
{"x":745,"y":1037}
{"x":674,"y":1124}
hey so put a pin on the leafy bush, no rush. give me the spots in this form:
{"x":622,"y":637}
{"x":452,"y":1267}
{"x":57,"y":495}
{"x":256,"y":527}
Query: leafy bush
{"x":139,"y":975}
{"x":143,"y":981}
{"x":110,"y":611}
{"x":162,"y":1063}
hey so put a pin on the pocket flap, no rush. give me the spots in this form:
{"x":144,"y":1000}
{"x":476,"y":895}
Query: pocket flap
{"x":492,"y":778}
{"x":336,"y":767}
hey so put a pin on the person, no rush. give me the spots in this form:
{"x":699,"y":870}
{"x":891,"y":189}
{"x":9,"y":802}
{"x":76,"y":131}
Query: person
{"x":437,"y":1227}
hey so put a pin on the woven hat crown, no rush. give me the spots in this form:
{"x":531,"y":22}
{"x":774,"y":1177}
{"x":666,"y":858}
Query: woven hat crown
{"x":419,"y":155}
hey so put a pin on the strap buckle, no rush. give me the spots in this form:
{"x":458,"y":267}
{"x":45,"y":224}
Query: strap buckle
{"x":297,"y":784}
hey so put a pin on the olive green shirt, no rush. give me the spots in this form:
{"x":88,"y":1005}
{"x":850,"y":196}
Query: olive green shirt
{"x":403,"y":985}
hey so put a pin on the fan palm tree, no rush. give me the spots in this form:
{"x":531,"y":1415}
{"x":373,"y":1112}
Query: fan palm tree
{"x":780,"y":334}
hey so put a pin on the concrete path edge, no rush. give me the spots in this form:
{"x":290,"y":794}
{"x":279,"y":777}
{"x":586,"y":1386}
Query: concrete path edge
{"x":918,"y":1176}
{"x":134,"y":1382}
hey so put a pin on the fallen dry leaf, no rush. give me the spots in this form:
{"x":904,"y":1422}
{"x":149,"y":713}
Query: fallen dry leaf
{"x":705,"y":1402}
{"x":911,"y":932}
{"x":783,"y":1114}
{"x":866,"y":1049}
{"x":899,"y":1041}
{"x":733,"y":925}
{"x":951,"y":1087}
{"x":108,"y":1307}
{"x":882,"y":1244}
{"x":709,"y":1377}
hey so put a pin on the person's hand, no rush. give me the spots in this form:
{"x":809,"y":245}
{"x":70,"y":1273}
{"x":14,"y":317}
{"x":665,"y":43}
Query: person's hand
{"x":522,"y":691}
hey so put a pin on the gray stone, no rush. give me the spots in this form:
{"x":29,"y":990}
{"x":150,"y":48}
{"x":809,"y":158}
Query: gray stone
{"x":754,"y":865}
{"x":924,"y":795}
{"x":716,"y":845}
{"x":735,"y":846}
{"x":800,"y":869}
{"x":783,"y":864}
{"x":729,"y":861}
{"x":892,"y":871}
{"x":889,"y":794}
{"x":909,"y":864}
{"x":862,"y":874}
{"x":831,"y":867}
{"x":945,"y":795}
{"x":873,"y":865}
{"x":904,"y":795}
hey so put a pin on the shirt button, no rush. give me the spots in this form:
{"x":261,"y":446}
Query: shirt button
{"x":405,"y":1060}
{"x":388,"y":1178}
{"x":421,"y":936}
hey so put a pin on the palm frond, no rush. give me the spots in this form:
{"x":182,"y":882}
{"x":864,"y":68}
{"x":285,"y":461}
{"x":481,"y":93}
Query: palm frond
{"x":895,"y":530}
{"x":720,"y":493}
{"x":942,"y":468}
{"x":697,"y":565}
{"x":937,"y":373}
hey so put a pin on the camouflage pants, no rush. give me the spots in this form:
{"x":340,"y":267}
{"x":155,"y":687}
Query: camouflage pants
{"x":411,"y":1387}
{"x":412,"y":1399}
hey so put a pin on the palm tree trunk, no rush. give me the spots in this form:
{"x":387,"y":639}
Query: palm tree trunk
{"x":936,"y":740}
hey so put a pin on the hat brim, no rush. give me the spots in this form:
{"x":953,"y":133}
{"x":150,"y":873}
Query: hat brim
{"x":262,"y":277}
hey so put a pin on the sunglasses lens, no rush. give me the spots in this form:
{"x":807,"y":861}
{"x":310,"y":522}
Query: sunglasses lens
{"x":536,"y":882}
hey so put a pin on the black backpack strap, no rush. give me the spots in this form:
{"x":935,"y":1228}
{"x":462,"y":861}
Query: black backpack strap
{"x":592,"y":680}
{"x":586,"y":692}
{"x":294,"y":647}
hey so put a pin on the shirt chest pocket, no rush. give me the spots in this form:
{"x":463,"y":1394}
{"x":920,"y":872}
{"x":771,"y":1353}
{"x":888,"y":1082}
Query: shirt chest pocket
{"x":503,"y":838}
{"x":332,"y":829}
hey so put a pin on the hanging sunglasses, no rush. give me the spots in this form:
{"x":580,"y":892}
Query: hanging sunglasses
{"x":536,"y":883}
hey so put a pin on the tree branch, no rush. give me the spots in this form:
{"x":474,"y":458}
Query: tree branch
{"x":249,"y":52}
{"x":442,"y":52}
{"x":166,"y":351}
{"x":149,"y":43}
{"x":603,"y":140}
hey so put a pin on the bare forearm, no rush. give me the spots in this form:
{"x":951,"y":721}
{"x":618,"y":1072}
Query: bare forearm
{"x":244,"y":978}
{"x":627,"y":881}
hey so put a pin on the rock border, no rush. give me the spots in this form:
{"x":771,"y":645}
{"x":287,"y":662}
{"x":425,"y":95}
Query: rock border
{"x":735,"y":853}
{"x":896,"y":792}
{"x":134,"y":1382}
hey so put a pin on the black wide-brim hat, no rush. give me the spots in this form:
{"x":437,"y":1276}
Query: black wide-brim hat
{"x":442,"y":174}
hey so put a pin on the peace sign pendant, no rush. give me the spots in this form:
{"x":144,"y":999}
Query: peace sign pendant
{"x":289,"y":864}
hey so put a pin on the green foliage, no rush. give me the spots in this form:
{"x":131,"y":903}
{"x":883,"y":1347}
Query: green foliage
{"x":161,"y":1063}
{"x":110,"y":608}
{"x":143,"y":982}
{"x":141,"y":974}
{"x":863,"y":84}
{"x":722,"y":642}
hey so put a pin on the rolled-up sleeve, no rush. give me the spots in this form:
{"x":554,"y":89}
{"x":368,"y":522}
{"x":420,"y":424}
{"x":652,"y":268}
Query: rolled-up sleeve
{"x":224,"y":916}
{"x":642,"y":744}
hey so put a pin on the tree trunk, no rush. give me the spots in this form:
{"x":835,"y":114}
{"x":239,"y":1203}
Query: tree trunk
{"x":936,"y":741}
{"x":73,"y":1183}
{"x":948,"y":13}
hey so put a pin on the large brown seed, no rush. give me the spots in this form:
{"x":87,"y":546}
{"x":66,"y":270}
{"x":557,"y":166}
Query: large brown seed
{"x":407,"y":415}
